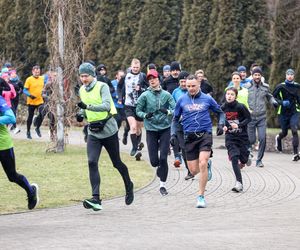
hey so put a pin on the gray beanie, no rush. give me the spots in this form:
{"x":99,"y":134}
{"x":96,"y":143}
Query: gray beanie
{"x":87,"y":68}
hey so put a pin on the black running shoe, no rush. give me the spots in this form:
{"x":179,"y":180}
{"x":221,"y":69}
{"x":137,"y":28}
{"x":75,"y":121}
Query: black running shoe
{"x":124,"y":140}
{"x":278,"y":144}
{"x":38,"y":132}
{"x":140,"y":146}
{"x":296,"y":157}
{"x":129,"y":197}
{"x":189,"y":176}
{"x":92,"y":203}
{"x":33,"y":200}
{"x":28,"y":135}
{"x":163,"y":191}
{"x":138,"y":156}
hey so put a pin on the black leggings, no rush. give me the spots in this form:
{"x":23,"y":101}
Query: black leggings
{"x":31,"y":109}
{"x":94,"y":147}
{"x":159,"y":141}
{"x":236,"y":168}
{"x":7,"y":159}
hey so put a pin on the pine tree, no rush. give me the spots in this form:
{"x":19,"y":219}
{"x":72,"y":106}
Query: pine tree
{"x":16,"y":28}
{"x":198,"y":33}
{"x":286,"y":40}
{"x":128,"y":19}
{"x":35,"y":38}
{"x":255,"y":40}
{"x":184,"y":35}
{"x":99,"y":46}
{"x":156,"y":38}
{"x":226,"y":51}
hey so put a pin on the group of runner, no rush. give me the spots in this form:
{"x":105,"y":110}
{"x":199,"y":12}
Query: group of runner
{"x":175,"y":111}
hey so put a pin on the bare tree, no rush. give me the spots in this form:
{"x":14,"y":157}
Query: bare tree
{"x":66,"y":36}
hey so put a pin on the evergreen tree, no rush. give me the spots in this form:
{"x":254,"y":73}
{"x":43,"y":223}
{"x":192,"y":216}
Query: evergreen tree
{"x":35,"y":39}
{"x":99,"y":46}
{"x":184,"y":34}
{"x":128,"y":19}
{"x":198,"y":33}
{"x":7,"y":9}
{"x":255,"y":40}
{"x":286,"y":40}
{"x":16,"y":29}
{"x":156,"y":38}
{"x":226,"y":51}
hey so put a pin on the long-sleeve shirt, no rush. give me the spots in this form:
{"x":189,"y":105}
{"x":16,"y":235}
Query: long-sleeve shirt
{"x":195,"y":113}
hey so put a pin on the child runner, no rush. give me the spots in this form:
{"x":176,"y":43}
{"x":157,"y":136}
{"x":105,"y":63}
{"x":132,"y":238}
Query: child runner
{"x":236,"y":137}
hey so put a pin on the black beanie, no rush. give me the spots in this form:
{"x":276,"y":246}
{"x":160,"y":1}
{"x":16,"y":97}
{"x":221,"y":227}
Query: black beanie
{"x":183,"y":75}
{"x":175,"y":66}
{"x":256,"y":70}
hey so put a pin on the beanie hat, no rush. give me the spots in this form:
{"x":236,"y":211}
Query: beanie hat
{"x":7,"y":65}
{"x":166,"y":68}
{"x":290,"y":72}
{"x":152,"y":72}
{"x":183,"y":75}
{"x":256,"y":70}
{"x":151,"y":66}
{"x":175,"y":66}
{"x":87,"y":68}
{"x":5,"y":75}
{"x":101,"y":66}
{"x":241,"y":68}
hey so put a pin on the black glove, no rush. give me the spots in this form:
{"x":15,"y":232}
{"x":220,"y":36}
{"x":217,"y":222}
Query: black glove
{"x":82,"y":105}
{"x":173,"y":140}
{"x":32,"y":97}
{"x":163,"y":110}
{"x":79,"y":117}
{"x":149,"y":115}
{"x":220,"y":129}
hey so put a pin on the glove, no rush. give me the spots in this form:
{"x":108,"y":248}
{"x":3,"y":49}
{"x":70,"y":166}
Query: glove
{"x":220,"y":129}
{"x":79,"y":117}
{"x":82,"y":105}
{"x":285,"y":103}
{"x":173,"y":140}
{"x":32,"y":97}
{"x":149,"y":115}
{"x":163,"y":110}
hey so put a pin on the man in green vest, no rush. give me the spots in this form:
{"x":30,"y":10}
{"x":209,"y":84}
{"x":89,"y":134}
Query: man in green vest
{"x":97,"y":107}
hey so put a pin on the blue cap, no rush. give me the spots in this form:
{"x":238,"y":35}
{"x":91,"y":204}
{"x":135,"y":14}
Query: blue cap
{"x":241,"y":68}
{"x":166,"y":68}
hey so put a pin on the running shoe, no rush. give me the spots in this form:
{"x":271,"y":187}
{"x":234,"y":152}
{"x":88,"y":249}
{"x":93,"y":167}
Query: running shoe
{"x":238,"y":187}
{"x":296,"y":157}
{"x":259,"y":164}
{"x":163,"y":191}
{"x":129,"y":197}
{"x":16,"y":130}
{"x":140,"y":146}
{"x":38,"y":132}
{"x":124,"y":140}
{"x":201,"y":203}
{"x":92,"y":203}
{"x":189,"y":176}
{"x":28,"y":135}
{"x":209,"y":176}
{"x":278,"y":144}
{"x":138,"y":156}
{"x":133,"y":152}
{"x":33,"y":200}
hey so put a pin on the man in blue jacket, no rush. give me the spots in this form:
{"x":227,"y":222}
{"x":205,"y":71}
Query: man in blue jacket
{"x":197,"y":127}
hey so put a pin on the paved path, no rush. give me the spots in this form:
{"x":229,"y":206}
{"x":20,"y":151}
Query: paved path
{"x":264,"y":216}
